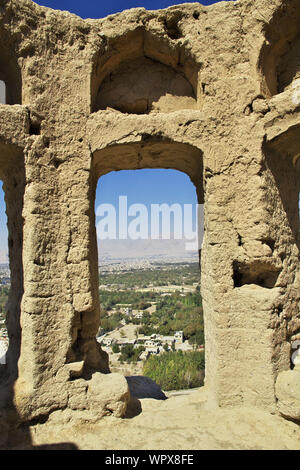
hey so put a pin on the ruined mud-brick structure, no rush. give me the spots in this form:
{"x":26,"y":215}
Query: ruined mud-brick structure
{"x":210,"y":91}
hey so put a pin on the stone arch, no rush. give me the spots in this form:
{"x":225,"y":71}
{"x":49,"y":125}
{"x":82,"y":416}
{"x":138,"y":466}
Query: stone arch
{"x":142,"y":73}
{"x":279,"y":60}
{"x":151,"y":152}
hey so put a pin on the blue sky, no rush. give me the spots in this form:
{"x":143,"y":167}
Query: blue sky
{"x":149,"y":186}
{"x":99,"y":9}
{"x":146,"y":187}
{"x":143,"y":186}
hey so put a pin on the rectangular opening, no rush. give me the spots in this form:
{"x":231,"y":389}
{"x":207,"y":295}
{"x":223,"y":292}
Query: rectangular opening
{"x":149,"y":277}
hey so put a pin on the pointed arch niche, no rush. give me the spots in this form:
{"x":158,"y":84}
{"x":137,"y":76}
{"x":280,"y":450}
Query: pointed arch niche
{"x":141,"y":73}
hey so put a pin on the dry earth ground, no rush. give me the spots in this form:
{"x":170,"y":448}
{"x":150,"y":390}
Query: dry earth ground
{"x":187,"y":420}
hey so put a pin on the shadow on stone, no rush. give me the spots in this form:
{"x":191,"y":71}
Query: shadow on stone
{"x":144,"y":387}
{"x":58,"y":446}
{"x":134,"y":408}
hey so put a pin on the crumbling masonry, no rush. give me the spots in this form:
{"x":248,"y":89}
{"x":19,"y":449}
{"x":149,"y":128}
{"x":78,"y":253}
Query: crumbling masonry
{"x":210,"y":91}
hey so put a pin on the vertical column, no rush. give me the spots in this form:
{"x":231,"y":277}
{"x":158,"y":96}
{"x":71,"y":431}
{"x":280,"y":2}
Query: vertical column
{"x":240,"y":281}
{"x":60,"y":308}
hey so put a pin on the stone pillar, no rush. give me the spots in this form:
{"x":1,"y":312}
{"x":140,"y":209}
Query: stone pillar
{"x":239,"y":274}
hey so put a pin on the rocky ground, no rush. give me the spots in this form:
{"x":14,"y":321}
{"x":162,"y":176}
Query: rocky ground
{"x":186,"y":420}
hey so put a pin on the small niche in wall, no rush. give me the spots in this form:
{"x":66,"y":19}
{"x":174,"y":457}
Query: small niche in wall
{"x":144,"y":86}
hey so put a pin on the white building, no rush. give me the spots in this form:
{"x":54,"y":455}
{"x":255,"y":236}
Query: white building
{"x":151,"y":343}
{"x":125,"y":341}
{"x":144,"y":355}
{"x":137,"y":314}
{"x":178,"y":336}
{"x":105,"y":341}
{"x":124,"y":308}
{"x":169,"y":340}
{"x":154,"y":350}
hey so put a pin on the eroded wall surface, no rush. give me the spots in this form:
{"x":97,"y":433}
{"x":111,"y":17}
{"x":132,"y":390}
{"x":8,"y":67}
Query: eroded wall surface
{"x":211,"y":91}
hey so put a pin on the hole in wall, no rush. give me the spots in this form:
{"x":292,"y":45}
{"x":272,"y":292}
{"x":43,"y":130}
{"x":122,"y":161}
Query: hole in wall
{"x":35,"y":128}
{"x":171,"y":27}
{"x":279,"y":310}
{"x":257,"y":272}
{"x":270,"y":243}
{"x":240,"y":240}
{"x":56,"y":162}
{"x":282,"y":256}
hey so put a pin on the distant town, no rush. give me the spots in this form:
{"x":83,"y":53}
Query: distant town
{"x":148,"y":308}
{"x":4,"y":274}
{"x":127,"y":332}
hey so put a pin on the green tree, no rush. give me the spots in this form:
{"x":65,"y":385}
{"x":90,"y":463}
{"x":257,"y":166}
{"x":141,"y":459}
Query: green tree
{"x":115,"y":348}
{"x":127,"y":352}
{"x":176,"y":370}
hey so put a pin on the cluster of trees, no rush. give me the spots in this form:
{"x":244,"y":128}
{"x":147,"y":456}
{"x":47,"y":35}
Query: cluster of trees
{"x":112,"y":322}
{"x":175,"y":313}
{"x":138,"y":300}
{"x":141,"y":305}
{"x":161,"y":276}
{"x":176,"y":370}
{"x":3,"y":300}
{"x":108,"y":301}
{"x":128,"y":352}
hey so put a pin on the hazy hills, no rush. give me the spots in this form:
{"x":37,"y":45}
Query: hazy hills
{"x":113,"y":250}
{"x":145,"y":249}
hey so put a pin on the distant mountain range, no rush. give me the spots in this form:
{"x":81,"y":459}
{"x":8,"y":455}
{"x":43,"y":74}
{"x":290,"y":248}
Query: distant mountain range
{"x":110,"y":250}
